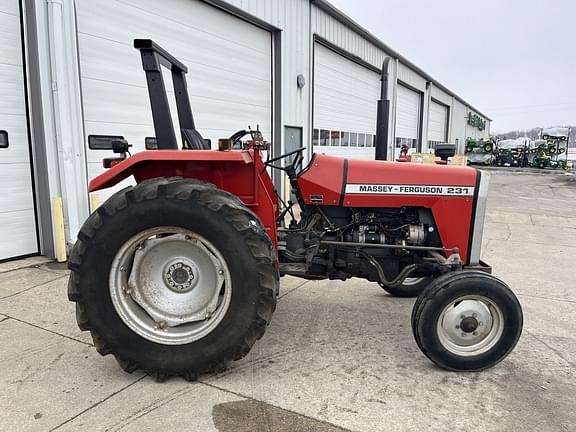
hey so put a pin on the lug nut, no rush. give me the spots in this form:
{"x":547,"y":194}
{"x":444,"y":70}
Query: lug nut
{"x":475,"y":333}
{"x":457,"y":326}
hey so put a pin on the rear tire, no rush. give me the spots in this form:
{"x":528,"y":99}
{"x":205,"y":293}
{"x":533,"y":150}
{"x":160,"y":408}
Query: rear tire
{"x":467,"y":321}
{"x":230,"y":241}
{"x":411,"y":287}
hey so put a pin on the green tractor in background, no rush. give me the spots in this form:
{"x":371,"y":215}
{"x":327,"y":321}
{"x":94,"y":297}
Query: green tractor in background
{"x":486,"y":145}
{"x":547,"y":150}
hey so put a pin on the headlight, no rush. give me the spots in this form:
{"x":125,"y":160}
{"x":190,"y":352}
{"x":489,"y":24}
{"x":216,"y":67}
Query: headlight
{"x":479,"y":216}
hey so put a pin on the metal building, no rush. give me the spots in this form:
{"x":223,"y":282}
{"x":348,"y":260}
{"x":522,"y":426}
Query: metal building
{"x":300,"y":69}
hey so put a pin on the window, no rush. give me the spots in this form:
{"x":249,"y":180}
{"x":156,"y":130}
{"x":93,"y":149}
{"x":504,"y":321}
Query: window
{"x":410,"y":142}
{"x":353,"y":139}
{"x":369,"y":140}
{"x":335,"y":138}
{"x":345,"y":139}
{"x":361,"y":140}
{"x":324,"y":137}
{"x":315,"y":137}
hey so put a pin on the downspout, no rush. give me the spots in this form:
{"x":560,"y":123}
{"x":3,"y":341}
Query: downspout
{"x":67,"y":108}
{"x":383,"y":115}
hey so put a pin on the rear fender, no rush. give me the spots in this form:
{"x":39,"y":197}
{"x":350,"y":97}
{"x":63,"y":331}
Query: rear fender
{"x":241,"y":173}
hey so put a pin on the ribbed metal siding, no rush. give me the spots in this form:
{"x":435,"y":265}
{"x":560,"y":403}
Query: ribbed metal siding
{"x":408,"y":76}
{"x":337,"y":33}
{"x":458,"y":129}
{"x":292,"y":17}
{"x":441,"y":96}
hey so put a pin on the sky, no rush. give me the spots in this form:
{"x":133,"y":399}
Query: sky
{"x":513,"y":60}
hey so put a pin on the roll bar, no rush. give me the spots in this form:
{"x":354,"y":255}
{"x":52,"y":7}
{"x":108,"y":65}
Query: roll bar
{"x":153,"y":58}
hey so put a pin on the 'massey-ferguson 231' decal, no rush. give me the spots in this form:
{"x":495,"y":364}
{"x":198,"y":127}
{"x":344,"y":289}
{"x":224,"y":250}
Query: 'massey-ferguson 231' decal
{"x":385,"y":189}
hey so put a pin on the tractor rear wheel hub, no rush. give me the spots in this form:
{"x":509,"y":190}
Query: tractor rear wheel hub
{"x":170,"y":285}
{"x":180,"y":276}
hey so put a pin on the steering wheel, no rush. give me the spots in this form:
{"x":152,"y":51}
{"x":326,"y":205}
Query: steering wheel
{"x":285,"y":155}
{"x":290,"y":169}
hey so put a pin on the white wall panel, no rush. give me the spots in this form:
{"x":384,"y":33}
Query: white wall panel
{"x":293,"y":18}
{"x":458,"y":121}
{"x":345,"y":96}
{"x":343,"y":36}
{"x":17,"y":215}
{"x":437,"y":122}
{"x":441,"y":95}
{"x":411,"y":78}
{"x":409,"y":106}
{"x":229,"y":61}
{"x":345,"y":93}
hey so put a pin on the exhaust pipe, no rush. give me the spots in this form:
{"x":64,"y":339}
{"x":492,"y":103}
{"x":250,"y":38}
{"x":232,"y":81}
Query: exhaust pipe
{"x":383,"y":115}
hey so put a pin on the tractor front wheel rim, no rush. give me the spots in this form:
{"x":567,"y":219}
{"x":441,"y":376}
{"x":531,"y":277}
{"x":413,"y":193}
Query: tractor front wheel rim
{"x":170,"y":285}
{"x":470,"y":325}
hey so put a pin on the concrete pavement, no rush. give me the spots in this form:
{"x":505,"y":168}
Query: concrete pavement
{"x":337,"y":356}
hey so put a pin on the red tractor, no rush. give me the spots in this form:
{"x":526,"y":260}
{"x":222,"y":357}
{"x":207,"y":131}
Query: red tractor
{"x":179,"y":275}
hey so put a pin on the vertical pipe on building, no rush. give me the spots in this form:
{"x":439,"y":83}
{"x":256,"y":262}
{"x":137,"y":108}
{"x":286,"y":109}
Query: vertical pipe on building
{"x":66,"y":105}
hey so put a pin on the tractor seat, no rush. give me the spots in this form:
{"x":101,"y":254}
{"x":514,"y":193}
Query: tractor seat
{"x":195,"y":140}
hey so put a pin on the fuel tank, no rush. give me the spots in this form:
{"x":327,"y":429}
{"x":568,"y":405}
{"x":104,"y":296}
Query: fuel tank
{"x":449,"y":191}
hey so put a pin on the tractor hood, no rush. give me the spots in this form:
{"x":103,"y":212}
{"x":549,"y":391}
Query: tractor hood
{"x":331,"y":180}
{"x":455,"y":195}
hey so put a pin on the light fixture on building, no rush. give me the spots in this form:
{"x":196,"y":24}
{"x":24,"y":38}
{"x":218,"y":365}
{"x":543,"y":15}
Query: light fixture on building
{"x":300,"y":81}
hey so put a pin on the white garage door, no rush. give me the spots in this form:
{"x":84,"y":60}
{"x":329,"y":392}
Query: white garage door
{"x":17,"y":216}
{"x":408,"y":108}
{"x":229,"y":68}
{"x":438,"y":123}
{"x":345,"y":97}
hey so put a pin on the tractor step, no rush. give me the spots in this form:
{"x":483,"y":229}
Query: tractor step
{"x":482,"y":266}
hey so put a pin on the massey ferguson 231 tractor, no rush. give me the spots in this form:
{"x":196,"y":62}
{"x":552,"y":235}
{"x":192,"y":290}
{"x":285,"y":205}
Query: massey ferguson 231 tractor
{"x":179,"y":274}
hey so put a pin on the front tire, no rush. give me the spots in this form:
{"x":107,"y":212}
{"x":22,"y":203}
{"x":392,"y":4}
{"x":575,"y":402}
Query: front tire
{"x":467,"y":321}
{"x":174,"y":277}
{"x":411,"y":287}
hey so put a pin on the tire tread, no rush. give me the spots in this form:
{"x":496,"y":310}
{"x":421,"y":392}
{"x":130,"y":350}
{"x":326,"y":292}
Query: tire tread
{"x":219,"y":201}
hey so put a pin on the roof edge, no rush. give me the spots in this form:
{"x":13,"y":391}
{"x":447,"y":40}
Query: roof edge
{"x":334,"y":12}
